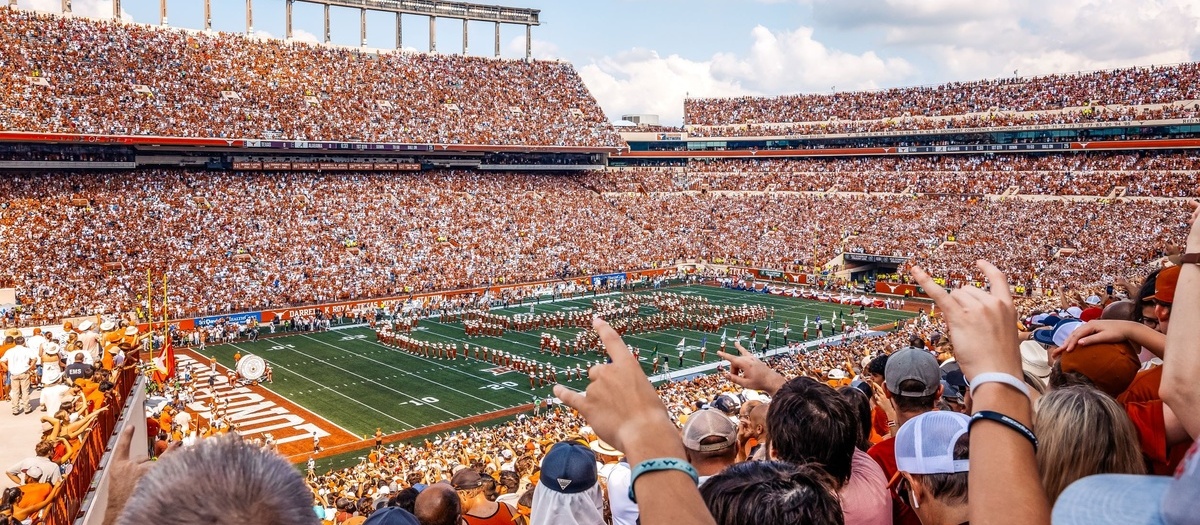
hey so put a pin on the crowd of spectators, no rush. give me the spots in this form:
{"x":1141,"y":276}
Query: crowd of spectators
{"x":1147,"y":174}
{"x":1095,"y":90}
{"x":105,"y":77}
{"x":1098,"y":114}
{"x":247,"y":241}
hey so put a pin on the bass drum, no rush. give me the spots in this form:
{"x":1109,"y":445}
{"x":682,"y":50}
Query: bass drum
{"x":251,"y":367}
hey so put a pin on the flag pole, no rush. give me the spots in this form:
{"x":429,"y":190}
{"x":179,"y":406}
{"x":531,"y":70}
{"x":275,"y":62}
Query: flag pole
{"x":166,"y":325}
{"x":149,"y":304}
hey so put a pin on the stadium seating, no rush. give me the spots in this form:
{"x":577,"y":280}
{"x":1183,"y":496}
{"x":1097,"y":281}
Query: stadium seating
{"x":282,"y":240}
{"x":99,"y":77}
{"x":1111,"y":95}
{"x":1145,"y":174}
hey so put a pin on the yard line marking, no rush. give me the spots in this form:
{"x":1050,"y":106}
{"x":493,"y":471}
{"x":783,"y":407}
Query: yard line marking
{"x":340,"y":349}
{"x":323,"y":387}
{"x":411,"y":398}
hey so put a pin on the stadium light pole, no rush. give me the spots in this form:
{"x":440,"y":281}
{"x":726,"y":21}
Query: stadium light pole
{"x":116,"y":8}
{"x":327,"y":23}
{"x":497,"y":39}
{"x":433,"y":34}
{"x":399,"y":32}
{"x":465,"y":37}
{"x":66,"y":6}
{"x":249,"y":18}
{"x":208,"y":15}
{"x":162,"y":12}
{"x":528,"y":41}
{"x":362,"y":26}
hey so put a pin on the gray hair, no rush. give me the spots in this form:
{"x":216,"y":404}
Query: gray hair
{"x":221,"y":480}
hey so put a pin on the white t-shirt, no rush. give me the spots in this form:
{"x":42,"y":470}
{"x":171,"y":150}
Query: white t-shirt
{"x":19,"y":359}
{"x":624,"y":511}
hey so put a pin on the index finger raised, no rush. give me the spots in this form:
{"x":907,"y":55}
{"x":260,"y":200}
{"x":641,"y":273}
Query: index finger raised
{"x":997,"y":279}
{"x":932,"y":289}
{"x":613,"y":344}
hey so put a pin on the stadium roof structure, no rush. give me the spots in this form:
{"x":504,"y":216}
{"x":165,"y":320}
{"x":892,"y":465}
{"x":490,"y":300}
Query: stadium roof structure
{"x":440,"y":9}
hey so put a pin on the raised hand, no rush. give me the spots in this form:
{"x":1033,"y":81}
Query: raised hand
{"x":748,"y":371}
{"x":983,"y":324}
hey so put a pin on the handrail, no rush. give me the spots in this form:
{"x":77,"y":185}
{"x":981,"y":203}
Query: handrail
{"x":86,"y":463}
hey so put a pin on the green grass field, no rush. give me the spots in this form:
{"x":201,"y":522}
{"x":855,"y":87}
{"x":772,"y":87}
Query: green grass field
{"x":345,"y":376}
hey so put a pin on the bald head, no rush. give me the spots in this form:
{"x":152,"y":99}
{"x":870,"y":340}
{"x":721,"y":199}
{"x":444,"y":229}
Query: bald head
{"x":748,"y":407}
{"x":1120,"y":310}
{"x":438,"y":504}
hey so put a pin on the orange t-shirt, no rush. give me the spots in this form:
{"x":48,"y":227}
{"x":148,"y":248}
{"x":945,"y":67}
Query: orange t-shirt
{"x":502,"y":516}
{"x":1144,"y":387}
{"x":34,"y":493}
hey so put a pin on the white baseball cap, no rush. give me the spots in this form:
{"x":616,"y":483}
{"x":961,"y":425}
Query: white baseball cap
{"x":925,"y":444}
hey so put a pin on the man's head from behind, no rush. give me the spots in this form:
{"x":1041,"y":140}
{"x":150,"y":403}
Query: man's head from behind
{"x":933,"y":458}
{"x":809,"y":422}
{"x":771,"y":493}
{"x":221,"y":480}
{"x":438,"y":504}
{"x":710,"y":441}
{"x":914,"y":380}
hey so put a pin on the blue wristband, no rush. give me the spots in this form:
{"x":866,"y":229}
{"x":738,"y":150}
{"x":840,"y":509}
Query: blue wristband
{"x":654,"y":465}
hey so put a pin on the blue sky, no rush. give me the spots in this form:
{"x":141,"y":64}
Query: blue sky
{"x":644,"y":56}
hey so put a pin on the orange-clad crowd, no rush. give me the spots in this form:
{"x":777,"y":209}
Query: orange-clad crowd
{"x":904,"y":108}
{"x":245,"y":241}
{"x":1147,"y":174}
{"x":103,"y":77}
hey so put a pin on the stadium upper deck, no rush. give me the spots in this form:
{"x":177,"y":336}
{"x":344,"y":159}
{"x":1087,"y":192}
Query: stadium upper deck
{"x":74,"y":75}
{"x":1113,"y":95}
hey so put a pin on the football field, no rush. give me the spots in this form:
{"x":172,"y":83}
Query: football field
{"x":358,"y":384}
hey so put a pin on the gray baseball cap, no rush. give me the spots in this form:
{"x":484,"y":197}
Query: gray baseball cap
{"x":915,"y":364}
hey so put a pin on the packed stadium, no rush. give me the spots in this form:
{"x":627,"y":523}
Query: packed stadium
{"x":281,"y":280}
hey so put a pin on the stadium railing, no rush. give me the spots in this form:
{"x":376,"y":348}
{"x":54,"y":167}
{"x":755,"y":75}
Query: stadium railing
{"x":88,"y":462}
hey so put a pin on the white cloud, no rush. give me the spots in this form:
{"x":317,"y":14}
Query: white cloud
{"x":300,"y":35}
{"x":541,"y":49}
{"x":641,"y":81}
{"x":967,"y":40}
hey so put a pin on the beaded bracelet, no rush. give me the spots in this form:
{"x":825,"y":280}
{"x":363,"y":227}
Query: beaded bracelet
{"x":654,"y":465}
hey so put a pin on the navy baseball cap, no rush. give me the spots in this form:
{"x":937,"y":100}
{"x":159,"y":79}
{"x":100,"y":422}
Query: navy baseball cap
{"x":391,"y":516}
{"x":569,"y":468}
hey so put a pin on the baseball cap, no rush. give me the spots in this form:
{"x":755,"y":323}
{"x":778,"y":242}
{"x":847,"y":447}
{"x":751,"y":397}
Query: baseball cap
{"x":392,"y":516}
{"x":34,"y":472}
{"x":925,"y":444}
{"x":1074,"y":311}
{"x":568,"y":468}
{"x":705,"y":424}
{"x":1109,"y":366}
{"x":1057,"y":336}
{"x":1125,"y":499}
{"x":1164,"y":285}
{"x":915,"y":364}
{"x":951,"y":392}
{"x":1093,"y":300}
{"x":466,"y":479}
{"x":1091,"y":313}
{"x":725,"y":404}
